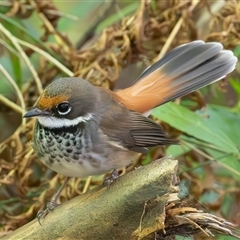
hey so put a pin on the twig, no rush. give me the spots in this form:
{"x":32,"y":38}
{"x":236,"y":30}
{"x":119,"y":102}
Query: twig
{"x":174,"y":32}
{"x":47,"y":56}
{"x":18,"y":92}
{"x":12,"y":82}
{"x":48,"y":11}
{"x":211,"y":158}
{"x":10,"y":48}
{"x":193,"y":223}
{"x":51,"y":29}
{"x":91,"y":29}
{"x":24,"y":56}
{"x":170,"y":39}
{"x":141,"y":219}
{"x":87,"y":184}
{"x":11,"y":104}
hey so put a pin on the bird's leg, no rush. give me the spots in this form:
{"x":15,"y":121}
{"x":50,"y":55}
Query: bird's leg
{"x":109,"y":180}
{"x":53,"y":203}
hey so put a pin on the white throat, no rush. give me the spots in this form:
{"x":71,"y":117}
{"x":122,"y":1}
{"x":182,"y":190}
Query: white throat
{"x":53,"y":122}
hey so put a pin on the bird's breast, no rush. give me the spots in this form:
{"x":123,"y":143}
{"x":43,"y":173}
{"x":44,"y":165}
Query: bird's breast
{"x":73,"y":152}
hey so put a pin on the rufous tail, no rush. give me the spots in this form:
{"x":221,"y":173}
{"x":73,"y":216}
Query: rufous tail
{"x":183,"y":70}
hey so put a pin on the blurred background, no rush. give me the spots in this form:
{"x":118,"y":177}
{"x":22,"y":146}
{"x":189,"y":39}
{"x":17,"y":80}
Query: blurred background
{"x":110,"y":43}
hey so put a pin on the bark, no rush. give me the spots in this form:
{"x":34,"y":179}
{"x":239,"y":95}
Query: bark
{"x":132,"y":208}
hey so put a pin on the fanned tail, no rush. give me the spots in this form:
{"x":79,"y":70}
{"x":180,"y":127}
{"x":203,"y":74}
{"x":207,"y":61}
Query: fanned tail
{"x":183,"y":70}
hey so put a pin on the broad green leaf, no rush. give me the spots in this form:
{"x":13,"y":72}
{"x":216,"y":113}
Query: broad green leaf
{"x":177,"y":150}
{"x":215,"y":130}
{"x":194,"y":125}
{"x":221,"y":119}
{"x":229,"y":162}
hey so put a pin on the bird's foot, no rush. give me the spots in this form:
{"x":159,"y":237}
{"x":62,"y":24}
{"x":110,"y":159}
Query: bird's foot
{"x":53,"y":203}
{"x":50,"y":207}
{"x":109,"y":180}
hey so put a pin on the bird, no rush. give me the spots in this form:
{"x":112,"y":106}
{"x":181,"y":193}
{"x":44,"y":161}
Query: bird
{"x":83,"y":130}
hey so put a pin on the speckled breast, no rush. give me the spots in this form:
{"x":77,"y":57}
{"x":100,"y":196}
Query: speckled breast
{"x":62,"y":146}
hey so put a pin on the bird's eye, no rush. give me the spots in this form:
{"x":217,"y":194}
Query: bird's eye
{"x":63,"y":108}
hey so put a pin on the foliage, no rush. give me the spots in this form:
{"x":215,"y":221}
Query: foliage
{"x":44,"y":40}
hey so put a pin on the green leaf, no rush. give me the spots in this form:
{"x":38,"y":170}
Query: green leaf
{"x":237,"y":51}
{"x":222,"y":119}
{"x":209,"y":197}
{"x":177,"y":237}
{"x":235,"y":83}
{"x":177,"y":150}
{"x":18,"y":29}
{"x":215,"y":130}
{"x":128,"y":9}
{"x":229,"y":162}
{"x":16,"y":68}
{"x":224,"y":237}
{"x":197,"y":126}
{"x":227,"y":204}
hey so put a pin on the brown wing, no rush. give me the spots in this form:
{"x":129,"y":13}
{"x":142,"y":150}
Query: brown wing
{"x":131,"y":129}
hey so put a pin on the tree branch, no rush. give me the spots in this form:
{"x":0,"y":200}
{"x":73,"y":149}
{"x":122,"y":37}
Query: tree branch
{"x":133,"y":207}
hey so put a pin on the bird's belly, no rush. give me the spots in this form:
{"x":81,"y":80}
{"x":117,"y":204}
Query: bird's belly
{"x":78,"y":168}
{"x":74,"y":154}
{"x":93,"y":164}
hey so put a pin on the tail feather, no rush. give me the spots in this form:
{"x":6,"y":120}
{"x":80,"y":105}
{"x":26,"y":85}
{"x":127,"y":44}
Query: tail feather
{"x":183,"y":70}
{"x":172,"y":54}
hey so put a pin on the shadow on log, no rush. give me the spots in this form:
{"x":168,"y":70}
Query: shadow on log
{"x":136,"y":206}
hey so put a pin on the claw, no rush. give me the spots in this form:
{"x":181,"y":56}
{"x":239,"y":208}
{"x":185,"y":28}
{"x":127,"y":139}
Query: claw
{"x":40,"y":215}
{"x":50,"y":207}
{"x":52,"y":204}
{"x":109,"y":180}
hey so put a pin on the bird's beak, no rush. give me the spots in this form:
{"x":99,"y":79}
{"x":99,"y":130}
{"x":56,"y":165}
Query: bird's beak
{"x":36,"y":112}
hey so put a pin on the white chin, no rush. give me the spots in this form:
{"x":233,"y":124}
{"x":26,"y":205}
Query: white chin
{"x":53,"y":122}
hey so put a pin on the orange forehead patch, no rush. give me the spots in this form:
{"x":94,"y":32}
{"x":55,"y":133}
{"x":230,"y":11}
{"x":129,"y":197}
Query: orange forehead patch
{"x":50,"y":102}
